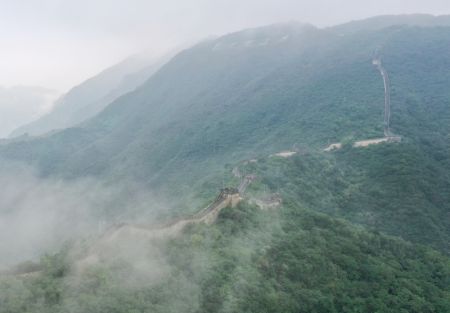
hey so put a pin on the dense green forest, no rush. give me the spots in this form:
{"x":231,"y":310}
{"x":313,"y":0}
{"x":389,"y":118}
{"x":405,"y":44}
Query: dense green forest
{"x":287,"y":260}
{"x":394,"y":188}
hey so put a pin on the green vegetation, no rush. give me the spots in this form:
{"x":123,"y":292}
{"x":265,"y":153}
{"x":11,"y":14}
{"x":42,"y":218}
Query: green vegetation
{"x":394,"y":188}
{"x":290,"y":260}
{"x":222,"y":101}
{"x":210,"y":107}
{"x":226,"y":100}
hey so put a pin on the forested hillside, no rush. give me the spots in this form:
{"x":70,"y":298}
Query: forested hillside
{"x":394,"y":188}
{"x":92,"y":96}
{"x":253,"y":93}
{"x":288,"y":260}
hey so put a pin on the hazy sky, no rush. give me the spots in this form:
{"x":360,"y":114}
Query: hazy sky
{"x":59,"y":43}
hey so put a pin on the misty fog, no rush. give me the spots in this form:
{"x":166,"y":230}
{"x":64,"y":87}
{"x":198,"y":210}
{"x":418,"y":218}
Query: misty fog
{"x":38,"y":215}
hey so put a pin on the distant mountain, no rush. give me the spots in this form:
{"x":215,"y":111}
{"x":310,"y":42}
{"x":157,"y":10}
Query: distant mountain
{"x":22,"y":104}
{"x":93,"y":95}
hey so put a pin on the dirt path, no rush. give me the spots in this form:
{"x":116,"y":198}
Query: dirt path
{"x":333,"y":146}
{"x":284,"y":154}
{"x":366,"y":143}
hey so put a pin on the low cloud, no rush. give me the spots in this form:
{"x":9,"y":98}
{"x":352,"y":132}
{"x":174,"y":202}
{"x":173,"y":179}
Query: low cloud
{"x":38,"y":215}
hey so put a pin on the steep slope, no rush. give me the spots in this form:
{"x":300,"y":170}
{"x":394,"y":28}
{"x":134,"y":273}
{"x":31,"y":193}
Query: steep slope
{"x":256,"y":92}
{"x":394,"y":188}
{"x":92,"y":96}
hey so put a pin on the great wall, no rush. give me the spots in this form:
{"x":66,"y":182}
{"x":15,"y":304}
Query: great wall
{"x":388,"y":136}
{"x":119,"y":235}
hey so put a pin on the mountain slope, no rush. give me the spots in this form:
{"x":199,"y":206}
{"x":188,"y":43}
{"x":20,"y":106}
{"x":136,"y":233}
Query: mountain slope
{"x":92,"y":96}
{"x":237,"y":94}
{"x":255,"y":93}
{"x":394,"y":188}
{"x":307,"y":86}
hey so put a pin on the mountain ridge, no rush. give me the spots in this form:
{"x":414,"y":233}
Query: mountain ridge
{"x":93,"y":95}
{"x":209,"y":108}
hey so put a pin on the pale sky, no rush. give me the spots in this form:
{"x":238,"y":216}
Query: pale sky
{"x":59,"y":43}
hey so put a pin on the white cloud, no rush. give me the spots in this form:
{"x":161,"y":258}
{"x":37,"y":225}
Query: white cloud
{"x":38,"y":215}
